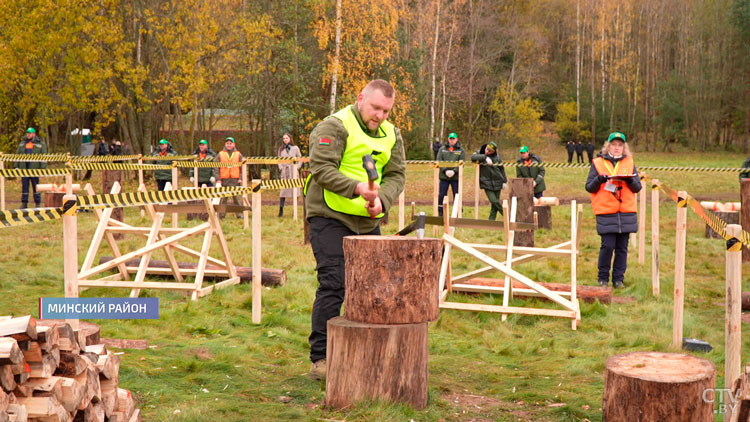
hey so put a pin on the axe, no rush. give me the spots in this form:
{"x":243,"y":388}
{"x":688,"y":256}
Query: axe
{"x":368,"y":163}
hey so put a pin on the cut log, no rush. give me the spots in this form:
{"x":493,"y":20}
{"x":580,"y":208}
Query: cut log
{"x":46,"y":387}
{"x":94,"y":412}
{"x":109,"y":395}
{"x":10,"y":353}
{"x":544,"y":216}
{"x":523,"y":190}
{"x":22,"y":328}
{"x":71,"y":365}
{"x":269,"y":277}
{"x":88,"y":332}
{"x":44,"y":407}
{"x":125,"y":404}
{"x":654,"y":386}
{"x":48,"y":337}
{"x":108,"y":366}
{"x":387,"y":362}
{"x":119,"y":343}
{"x":21,"y":372}
{"x":730,"y":217}
{"x":33,"y":353}
{"x":586,"y":293}
{"x":4,"y":400}
{"x":99,"y":349}
{"x":44,"y":369}
{"x":66,"y":338}
{"x":55,"y":353}
{"x":89,"y":380}
{"x":136,"y":417}
{"x":7,"y":381}
{"x":18,"y":412}
{"x":391,"y":279}
{"x":72,"y":394}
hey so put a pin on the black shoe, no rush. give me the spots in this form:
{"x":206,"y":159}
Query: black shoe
{"x":618,"y":284}
{"x":281,"y":212}
{"x":603,"y":283}
{"x":24,"y":205}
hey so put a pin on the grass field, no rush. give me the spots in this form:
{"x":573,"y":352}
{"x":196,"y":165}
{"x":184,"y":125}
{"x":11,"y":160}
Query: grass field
{"x":207,"y":361}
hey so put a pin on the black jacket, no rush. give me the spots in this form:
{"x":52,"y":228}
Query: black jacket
{"x":579,"y":148}
{"x":590,"y":149}
{"x":490,"y":177}
{"x":619,"y":222}
{"x":570,"y":146}
{"x":745,"y":174}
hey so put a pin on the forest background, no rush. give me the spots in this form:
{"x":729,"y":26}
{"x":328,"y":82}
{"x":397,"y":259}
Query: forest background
{"x":672,"y":74}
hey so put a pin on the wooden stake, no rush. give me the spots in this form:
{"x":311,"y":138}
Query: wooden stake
{"x":461,"y":188}
{"x":2,"y":187}
{"x":642,"y":227}
{"x":508,"y":291}
{"x":401,"y":200}
{"x":679,"y":271}
{"x":246,"y":214}
{"x":573,"y":255}
{"x":70,"y":252}
{"x":175,"y":175}
{"x":140,"y":180}
{"x":295,"y":174}
{"x":435,"y":192}
{"x":68,"y":183}
{"x":256,"y":245}
{"x":655,"y":238}
{"x":195,"y":177}
{"x":476,"y":194}
{"x":745,"y":214}
{"x":733,"y":311}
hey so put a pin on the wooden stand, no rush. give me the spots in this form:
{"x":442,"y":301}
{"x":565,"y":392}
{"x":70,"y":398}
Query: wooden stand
{"x":653,"y":386}
{"x":391,"y":279}
{"x":731,"y":217}
{"x":679,"y":270}
{"x":372,"y":361}
{"x":544,"y":216}
{"x":745,"y":213}
{"x":523,"y":189}
{"x":733,"y":313}
{"x":655,"y":238}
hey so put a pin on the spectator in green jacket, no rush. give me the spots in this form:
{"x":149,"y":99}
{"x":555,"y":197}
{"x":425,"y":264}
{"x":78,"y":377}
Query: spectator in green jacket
{"x":32,"y":144}
{"x":745,"y":165}
{"x":206,"y":176}
{"x":451,"y":151}
{"x":163,"y":176}
{"x":529,"y":166}
{"x":491,"y":177}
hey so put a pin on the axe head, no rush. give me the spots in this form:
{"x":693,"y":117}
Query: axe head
{"x":368,"y":163}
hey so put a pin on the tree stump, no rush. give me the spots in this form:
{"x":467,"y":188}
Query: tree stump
{"x":391,"y":279}
{"x":653,"y":386}
{"x":731,"y":217}
{"x":544,"y":216}
{"x":374,"y":361}
{"x":523,"y":190}
{"x":53,"y":199}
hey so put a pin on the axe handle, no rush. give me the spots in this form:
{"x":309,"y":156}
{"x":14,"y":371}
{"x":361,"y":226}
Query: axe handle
{"x":371,"y":184}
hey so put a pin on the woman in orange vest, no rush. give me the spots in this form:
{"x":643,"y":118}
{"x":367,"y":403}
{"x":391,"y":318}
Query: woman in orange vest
{"x":230,"y":176}
{"x":613,"y":182}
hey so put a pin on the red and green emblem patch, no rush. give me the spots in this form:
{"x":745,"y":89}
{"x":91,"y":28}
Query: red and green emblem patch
{"x":324,"y":141}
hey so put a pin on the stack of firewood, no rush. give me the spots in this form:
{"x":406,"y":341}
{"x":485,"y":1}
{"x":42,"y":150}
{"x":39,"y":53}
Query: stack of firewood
{"x":51,"y":373}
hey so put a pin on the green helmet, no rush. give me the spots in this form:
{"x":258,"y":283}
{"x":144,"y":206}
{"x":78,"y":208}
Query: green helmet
{"x":30,"y":130}
{"x":203,"y":141}
{"x":616,"y":135}
{"x":524,"y":149}
{"x":452,"y":135}
{"x":164,"y":141}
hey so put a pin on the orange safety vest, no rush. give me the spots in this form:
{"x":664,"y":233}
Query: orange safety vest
{"x":606,"y":202}
{"x":230,"y":172}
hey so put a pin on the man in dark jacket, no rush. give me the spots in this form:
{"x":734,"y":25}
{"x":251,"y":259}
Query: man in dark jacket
{"x":436,"y":148}
{"x":206,"y":175}
{"x":529,"y":166}
{"x":163,"y":176}
{"x":491,"y":177}
{"x":590,"y":150}
{"x":570,"y":147}
{"x":32,"y":144}
{"x":579,"y":152}
{"x":745,"y":165}
{"x":452,"y":151}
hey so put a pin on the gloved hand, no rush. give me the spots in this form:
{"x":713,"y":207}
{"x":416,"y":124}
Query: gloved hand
{"x":450,"y":173}
{"x":534,"y":181}
{"x":212,"y":179}
{"x":192,"y":179}
{"x":601,"y":178}
{"x":505,"y":186}
{"x":488,"y":160}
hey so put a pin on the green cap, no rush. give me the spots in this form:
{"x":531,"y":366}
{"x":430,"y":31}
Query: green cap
{"x":164,"y":141}
{"x":492,"y":145}
{"x":524,"y":149}
{"x":30,"y":130}
{"x":203,"y":141}
{"x":452,"y":135}
{"x":616,"y":135}
{"x":229,"y":139}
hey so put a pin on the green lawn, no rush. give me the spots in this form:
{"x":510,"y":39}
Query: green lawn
{"x":209,"y":362}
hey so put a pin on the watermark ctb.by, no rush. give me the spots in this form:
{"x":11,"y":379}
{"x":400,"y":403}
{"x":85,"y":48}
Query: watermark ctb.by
{"x":98,"y":308}
{"x":725,"y":400}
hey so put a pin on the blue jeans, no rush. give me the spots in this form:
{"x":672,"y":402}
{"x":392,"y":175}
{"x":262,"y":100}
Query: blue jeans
{"x":25,"y":182}
{"x":444,"y":185}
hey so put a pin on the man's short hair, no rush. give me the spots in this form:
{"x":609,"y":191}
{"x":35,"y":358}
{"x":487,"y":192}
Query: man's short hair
{"x":382,"y":86}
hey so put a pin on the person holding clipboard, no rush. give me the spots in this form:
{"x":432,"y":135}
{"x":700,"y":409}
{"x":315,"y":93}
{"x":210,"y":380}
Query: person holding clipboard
{"x":613,"y":182}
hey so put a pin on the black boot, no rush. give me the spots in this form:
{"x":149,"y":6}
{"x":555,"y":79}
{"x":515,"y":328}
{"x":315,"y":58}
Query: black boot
{"x":24,"y":204}
{"x":281,"y":206}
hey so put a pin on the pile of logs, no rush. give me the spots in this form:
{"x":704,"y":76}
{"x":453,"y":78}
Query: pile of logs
{"x":51,"y":373}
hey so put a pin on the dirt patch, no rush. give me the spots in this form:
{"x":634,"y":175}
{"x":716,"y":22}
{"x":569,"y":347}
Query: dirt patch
{"x":201,"y":353}
{"x":475,"y":408}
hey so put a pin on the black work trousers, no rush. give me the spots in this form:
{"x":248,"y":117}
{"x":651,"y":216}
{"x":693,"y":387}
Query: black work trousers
{"x":444,"y":185}
{"x":27,"y":182}
{"x":327,"y":240}
{"x":616,"y":243}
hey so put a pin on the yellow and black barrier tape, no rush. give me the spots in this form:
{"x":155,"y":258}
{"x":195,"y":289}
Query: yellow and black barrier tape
{"x":276,"y":160}
{"x":103,"y":158}
{"x":277,"y":184}
{"x":34,"y":157}
{"x":118,"y":166}
{"x":34,"y":172}
{"x":168,"y":157}
{"x":12,"y":218}
{"x":205,"y":164}
{"x":137,"y":199}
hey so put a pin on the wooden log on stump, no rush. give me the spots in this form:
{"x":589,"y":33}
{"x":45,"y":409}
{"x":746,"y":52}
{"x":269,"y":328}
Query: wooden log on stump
{"x":376,"y":361}
{"x":391,"y":279}
{"x":654,"y":386}
{"x":53,"y":199}
{"x":732,"y":217}
{"x":523,"y":190}
{"x":269,"y":277}
{"x":544,"y":216}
